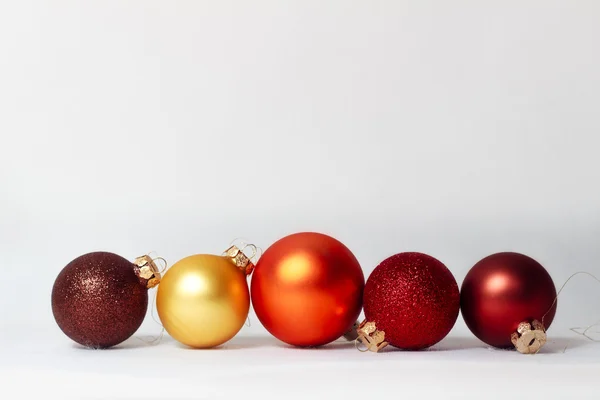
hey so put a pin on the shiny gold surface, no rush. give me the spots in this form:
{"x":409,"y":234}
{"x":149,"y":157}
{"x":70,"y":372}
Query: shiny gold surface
{"x":241,"y":260}
{"x":372,"y":338}
{"x":147,"y":271}
{"x":203,"y":300}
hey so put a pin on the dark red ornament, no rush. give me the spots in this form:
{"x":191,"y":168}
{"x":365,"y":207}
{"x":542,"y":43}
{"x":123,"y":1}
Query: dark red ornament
{"x":503,"y":290}
{"x":413,"y":298}
{"x":100,"y":299}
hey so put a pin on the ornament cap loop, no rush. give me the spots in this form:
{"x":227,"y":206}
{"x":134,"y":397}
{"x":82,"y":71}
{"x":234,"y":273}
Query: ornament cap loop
{"x":373,"y":339}
{"x":529,"y":337}
{"x":239,"y":259}
{"x":147,"y":271}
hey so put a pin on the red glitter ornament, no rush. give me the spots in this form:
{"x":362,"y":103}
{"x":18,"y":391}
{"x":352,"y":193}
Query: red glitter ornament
{"x":503,"y":290}
{"x":100,"y":299}
{"x":413,"y":298}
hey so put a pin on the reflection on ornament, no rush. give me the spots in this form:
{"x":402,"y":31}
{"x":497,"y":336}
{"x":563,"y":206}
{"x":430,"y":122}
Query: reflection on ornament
{"x":203,"y":300}
{"x":503,"y":291}
{"x":307,"y":289}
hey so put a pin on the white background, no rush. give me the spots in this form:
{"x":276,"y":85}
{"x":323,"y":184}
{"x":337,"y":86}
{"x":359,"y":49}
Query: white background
{"x":456,"y":128}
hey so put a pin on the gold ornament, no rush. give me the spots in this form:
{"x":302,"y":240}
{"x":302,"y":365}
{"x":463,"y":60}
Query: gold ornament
{"x":203,"y":300}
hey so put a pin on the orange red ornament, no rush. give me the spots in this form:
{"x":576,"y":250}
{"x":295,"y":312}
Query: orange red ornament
{"x":307,"y":289}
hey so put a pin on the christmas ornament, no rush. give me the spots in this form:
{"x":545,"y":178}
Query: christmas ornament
{"x":307,"y":289}
{"x":100,"y":299}
{"x":203,"y":300}
{"x":411,"y":301}
{"x":509,"y":299}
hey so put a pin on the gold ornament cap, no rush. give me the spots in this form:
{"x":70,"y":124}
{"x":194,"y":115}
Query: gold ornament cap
{"x":529,"y":337}
{"x":147,"y":271}
{"x":370,"y":337}
{"x":239,"y":259}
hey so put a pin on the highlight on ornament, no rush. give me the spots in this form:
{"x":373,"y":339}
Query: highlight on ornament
{"x":307,"y":290}
{"x":508,"y":300}
{"x":100,"y":299}
{"x":204,"y":300}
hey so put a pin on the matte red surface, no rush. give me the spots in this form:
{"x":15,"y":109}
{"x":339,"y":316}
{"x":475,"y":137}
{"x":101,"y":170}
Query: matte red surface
{"x":413,"y":298}
{"x":307,"y":289}
{"x":503,"y":290}
{"x":98,"y":301}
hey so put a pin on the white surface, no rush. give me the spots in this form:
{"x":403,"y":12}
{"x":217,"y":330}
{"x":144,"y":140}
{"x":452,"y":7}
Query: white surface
{"x":456,"y":128}
{"x":260,"y":367}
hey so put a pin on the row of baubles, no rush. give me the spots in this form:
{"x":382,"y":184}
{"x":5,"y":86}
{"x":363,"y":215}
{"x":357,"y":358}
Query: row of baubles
{"x":307,"y":289}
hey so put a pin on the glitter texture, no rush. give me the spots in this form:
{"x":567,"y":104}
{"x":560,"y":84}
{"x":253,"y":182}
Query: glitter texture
{"x":413,"y":298}
{"x":98,"y":301}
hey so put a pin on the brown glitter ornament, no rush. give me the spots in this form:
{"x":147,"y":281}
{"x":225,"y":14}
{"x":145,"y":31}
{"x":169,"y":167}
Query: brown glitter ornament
{"x":100,"y":299}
